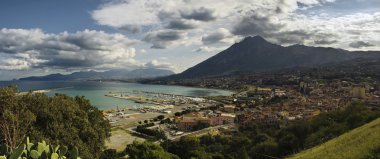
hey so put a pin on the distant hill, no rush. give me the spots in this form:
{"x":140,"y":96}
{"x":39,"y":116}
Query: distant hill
{"x":116,"y":74}
{"x":255,"y":54}
{"x":360,"y":143}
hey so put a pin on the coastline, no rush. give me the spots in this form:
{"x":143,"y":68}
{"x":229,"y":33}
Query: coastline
{"x":42,"y":90}
{"x":176,"y":85}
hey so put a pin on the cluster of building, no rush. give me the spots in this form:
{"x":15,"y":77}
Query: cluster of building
{"x":303,"y":101}
{"x":190,"y":122}
{"x":282,"y":99}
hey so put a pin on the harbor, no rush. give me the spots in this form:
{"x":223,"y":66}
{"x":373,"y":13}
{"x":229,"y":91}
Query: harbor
{"x":157,"y":101}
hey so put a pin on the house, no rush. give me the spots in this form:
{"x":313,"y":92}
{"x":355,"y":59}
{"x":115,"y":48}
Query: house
{"x":228,"y":118}
{"x":279,"y":93}
{"x":186,"y":125}
{"x":187,"y":122}
{"x":228,"y":108}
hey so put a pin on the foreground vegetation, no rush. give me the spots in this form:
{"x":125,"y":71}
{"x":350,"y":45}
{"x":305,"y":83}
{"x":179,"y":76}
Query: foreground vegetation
{"x":60,"y":120}
{"x":37,"y":151}
{"x":360,"y":143}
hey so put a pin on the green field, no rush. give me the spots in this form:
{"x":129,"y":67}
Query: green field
{"x":360,"y":143}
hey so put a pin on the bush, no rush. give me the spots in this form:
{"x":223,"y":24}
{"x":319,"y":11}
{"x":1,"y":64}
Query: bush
{"x":160,"y":117}
{"x":149,"y":150}
{"x":143,"y":129}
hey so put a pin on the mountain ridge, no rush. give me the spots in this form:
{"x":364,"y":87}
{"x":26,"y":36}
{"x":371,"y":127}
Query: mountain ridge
{"x":110,"y":74}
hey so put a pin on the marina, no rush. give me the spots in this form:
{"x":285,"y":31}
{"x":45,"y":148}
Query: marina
{"x":158,"y":102}
{"x":96,"y":91}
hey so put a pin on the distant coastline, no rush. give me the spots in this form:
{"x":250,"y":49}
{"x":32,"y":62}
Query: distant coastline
{"x":42,"y":90}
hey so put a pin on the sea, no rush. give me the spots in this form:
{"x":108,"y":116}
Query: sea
{"x":96,"y":91}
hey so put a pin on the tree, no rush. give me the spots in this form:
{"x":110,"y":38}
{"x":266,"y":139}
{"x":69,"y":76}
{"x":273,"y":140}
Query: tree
{"x":178,"y":114}
{"x":15,"y":118}
{"x":160,"y":117}
{"x":265,"y":149}
{"x":109,"y":154}
{"x":149,"y":150}
{"x":60,"y":120}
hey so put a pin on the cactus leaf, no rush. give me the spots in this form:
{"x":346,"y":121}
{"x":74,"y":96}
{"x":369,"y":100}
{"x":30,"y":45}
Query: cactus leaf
{"x":40,"y":148}
{"x":54,"y":149}
{"x":47,"y":149}
{"x":54,"y":156}
{"x":28,"y":144}
{"x":34,"y":154}
{"x":3,"y":157}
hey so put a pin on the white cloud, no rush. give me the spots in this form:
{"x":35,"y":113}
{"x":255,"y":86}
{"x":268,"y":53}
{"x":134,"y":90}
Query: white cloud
{"x":281,"y":21}
{"x":128,"y":13}
{"x":220,"y":35}
{"x":194,"y":18}
{"x":163,"y":38}
{"x":143,"y":51}
{"x":32,"y":48}
{"x":208,"y":49}
{"x":160,"y":65}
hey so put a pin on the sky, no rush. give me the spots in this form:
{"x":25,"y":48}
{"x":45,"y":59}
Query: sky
{"x":42,"y":37}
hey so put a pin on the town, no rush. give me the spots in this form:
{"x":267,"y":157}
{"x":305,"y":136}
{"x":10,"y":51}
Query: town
{"x":256,"y":101}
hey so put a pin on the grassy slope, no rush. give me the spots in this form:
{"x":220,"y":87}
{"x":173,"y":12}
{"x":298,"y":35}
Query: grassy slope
{"x":359,"y":143}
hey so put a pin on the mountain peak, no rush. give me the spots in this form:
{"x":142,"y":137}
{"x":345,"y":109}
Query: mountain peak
{"x":255,"y":54}
{"x":254,"y":39}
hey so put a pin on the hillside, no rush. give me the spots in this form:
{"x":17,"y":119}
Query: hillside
{"x":111,"y":74}
{"x":255,"y":54}
{"x":360,"y":143}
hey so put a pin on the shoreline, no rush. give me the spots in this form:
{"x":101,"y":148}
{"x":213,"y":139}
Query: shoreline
{"x":174,"y":85}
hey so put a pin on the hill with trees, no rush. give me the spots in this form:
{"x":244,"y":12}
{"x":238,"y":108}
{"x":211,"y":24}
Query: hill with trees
{"x":360,"y":143}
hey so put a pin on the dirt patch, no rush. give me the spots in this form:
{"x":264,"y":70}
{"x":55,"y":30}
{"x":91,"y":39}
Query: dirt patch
{"x":120,"y":139}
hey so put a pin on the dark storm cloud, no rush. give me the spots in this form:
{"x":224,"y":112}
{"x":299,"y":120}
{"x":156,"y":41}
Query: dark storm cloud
{"x":325,"y":42}
{"x":360,"y":44}
{"x":181,"y":25}
{"x":169,"y":36}
{"x":161,"y":39}
{"x":163,"y":15}
{"x":293,"y":37}
{"x":201,"y":14}
{"x":131,"y":28}
{"x":262,"y":24}
{"x":216,"y":36}
{"x":255,"y":24}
